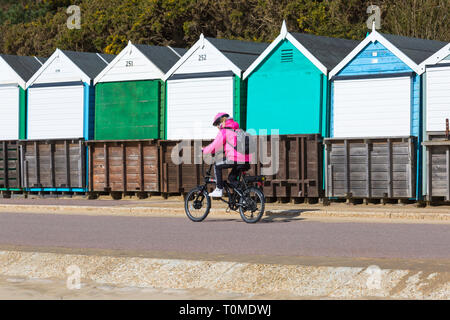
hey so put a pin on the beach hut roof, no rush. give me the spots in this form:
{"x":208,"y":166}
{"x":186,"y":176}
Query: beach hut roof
{"x":412,"y":51}
{"x":89,"y":64}
{"x":25,"y":67}
{"x":240,"y":54}
{"x":330,"y":51}
{"x":162,"y":57}
{"x":416,"y":49}
{"x":440,"y":55}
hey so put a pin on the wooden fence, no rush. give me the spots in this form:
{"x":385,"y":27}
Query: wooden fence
{"x":54,"y":164}
{"x":438,"y":167}
{"x":123,"y":166}
{"x":296,"y":163}
{"x":9,"y":165}
{"x":292,"y":164}
{"x":371,"y":168}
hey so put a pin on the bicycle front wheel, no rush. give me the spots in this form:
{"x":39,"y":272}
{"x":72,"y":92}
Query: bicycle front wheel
{"x":197,"y":204}
{"x":251,"y":205}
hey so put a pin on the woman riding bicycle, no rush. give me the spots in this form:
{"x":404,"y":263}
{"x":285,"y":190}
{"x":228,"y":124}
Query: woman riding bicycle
{"x":240,"y":195}
{"x":226,"y":141}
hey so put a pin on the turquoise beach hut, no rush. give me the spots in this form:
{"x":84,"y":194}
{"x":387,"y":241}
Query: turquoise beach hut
{"x":288,"y":87}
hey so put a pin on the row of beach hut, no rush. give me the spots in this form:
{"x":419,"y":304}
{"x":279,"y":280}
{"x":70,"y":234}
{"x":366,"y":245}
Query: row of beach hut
{"x":380,"y":104}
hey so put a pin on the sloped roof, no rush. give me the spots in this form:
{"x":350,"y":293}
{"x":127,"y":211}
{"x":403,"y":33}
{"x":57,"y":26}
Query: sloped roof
{"x":24,"y":66}
{"x":412,"y":51}
{"x":241,"y":53}
{"x":180,"y":51}
{"x":90,"y":63}
{"x":441,"y":56}
{"x":163,"y":57}
{"x":416,"y":49}
{"x":329,"y":51}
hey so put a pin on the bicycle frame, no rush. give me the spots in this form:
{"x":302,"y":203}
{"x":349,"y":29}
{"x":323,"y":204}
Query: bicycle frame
{"x":227,"y":188}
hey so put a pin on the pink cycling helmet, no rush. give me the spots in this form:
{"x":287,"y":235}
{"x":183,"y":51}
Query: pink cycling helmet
{"x":218,"y":117}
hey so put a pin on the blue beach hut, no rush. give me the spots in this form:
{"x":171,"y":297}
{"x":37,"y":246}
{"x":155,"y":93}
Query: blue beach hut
{"x":376,"y":118}
{"x":60,"y":116}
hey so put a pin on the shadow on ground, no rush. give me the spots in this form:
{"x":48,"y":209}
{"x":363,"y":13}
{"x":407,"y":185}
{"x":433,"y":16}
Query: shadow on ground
{"x":271,"y":217}
{"x":284,"y":215}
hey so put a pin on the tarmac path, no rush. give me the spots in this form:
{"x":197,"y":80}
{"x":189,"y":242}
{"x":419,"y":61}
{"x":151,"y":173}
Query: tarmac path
{"x":272,"y":237}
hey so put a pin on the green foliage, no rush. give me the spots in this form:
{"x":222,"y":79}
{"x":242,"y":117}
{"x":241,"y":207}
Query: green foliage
{"x":38,"y":27}
{"x":15,"y":12}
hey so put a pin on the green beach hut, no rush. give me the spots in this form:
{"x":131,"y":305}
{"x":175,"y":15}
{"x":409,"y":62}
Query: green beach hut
{"x":288,"y":88}
{"x":130,"y":93}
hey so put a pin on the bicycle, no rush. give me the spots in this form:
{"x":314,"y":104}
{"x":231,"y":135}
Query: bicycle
{"x":246,"y":197}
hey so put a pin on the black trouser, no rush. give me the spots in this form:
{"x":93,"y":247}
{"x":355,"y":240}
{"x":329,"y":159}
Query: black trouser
{"x":234,"y":174}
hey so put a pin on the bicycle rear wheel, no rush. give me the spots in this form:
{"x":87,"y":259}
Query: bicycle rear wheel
{"x":197,"y":204}
{"x":251,"y":205}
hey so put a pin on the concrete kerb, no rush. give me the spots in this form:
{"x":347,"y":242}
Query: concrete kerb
{"x":231,"y":277}
{"x":161,"y":211}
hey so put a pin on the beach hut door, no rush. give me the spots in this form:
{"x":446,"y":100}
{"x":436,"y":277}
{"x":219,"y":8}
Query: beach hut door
{"x":193,"y":103}
{"x":9,"y":113}
{"x":377,"y":107}
{"x":56,"y":112}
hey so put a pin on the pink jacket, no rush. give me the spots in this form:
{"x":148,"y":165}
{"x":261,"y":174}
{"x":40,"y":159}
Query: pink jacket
{"x":221,"y":139}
